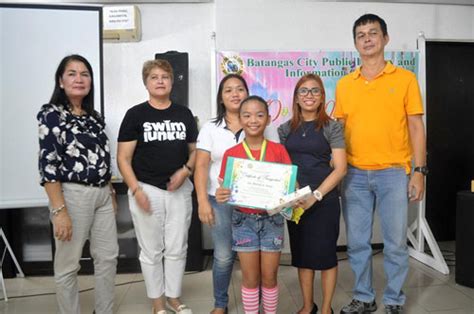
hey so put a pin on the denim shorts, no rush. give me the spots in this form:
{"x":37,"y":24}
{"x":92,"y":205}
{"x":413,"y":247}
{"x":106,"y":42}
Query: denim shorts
{"x":257,"y":232}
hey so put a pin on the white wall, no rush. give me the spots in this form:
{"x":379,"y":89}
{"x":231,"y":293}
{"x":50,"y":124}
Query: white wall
{"x":305,"y":25}
{"x":279,"y":25}
{"x":182,"y":27}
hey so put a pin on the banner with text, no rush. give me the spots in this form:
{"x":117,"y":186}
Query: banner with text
{"x":273,"y":75}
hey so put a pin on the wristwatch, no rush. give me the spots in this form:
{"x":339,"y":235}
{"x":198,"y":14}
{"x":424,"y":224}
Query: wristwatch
{"x":423,"y":170}
{"x":318,"y":195}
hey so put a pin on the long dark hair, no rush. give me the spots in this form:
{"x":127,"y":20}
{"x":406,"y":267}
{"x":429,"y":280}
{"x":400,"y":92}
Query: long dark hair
{"x":59,"y":97}
{"x":220,"y":103}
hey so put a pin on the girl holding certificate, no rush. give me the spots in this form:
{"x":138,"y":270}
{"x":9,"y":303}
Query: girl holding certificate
{"x":256,"y":237}
{"x":314,"y":142}
{"x":215,"y":137}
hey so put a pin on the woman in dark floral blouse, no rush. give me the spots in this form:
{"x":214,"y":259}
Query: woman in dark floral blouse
{"x":74,"y":166}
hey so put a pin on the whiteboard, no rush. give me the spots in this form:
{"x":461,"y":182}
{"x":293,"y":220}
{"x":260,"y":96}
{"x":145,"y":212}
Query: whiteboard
{"x":34,"y":39}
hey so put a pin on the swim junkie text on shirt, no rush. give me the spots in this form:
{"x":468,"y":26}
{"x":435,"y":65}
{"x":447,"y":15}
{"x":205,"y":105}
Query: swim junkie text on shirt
{"x":164,"y":131}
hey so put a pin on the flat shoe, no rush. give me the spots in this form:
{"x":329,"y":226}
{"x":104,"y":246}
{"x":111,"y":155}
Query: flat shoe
{"x":182,"y":309}
{"x":225,"y":310}
{"x":158,"y":312}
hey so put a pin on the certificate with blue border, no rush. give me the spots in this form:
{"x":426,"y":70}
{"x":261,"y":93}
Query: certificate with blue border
{"x":258,"y":184}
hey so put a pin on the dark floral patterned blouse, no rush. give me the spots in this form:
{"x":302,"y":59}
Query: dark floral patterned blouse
{"x":72,"y":148}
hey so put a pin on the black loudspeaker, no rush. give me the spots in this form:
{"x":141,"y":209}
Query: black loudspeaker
{"x":180,"y":63}
{"x":465,"y":239}
{"x":180,"y":95}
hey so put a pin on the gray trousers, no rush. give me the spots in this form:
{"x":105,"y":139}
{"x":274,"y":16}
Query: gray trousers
{"x":93,"y":218}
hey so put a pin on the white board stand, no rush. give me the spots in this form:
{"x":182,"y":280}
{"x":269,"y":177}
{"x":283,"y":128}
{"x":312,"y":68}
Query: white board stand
{"x":18,"y":268}
{"x":417,"y":233}
{"x":419,"y":230}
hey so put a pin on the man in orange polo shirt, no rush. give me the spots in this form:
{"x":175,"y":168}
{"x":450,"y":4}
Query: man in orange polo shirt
{"x":381,"y":108}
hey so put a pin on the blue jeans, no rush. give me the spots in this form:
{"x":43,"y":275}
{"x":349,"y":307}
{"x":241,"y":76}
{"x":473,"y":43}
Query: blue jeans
{"x":224,"y":257}
{"x":387,"y":189}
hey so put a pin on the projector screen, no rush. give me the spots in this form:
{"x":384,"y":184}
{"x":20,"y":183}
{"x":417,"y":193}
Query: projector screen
{"x":34,"y":39}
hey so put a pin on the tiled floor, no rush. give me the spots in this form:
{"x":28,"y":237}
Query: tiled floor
{"x":427,"y":290}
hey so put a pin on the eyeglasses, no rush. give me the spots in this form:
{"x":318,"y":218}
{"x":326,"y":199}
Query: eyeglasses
{"x":315,"y":91}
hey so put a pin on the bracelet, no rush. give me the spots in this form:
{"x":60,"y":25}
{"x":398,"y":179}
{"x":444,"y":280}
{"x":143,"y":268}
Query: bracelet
{"x":318,"y":195}
{"x":112,"y":192}
{"x":56,"y":211}
{"x":138,"y":188}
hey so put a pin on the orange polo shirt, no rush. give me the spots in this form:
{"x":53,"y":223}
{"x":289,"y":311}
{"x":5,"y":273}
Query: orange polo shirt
{"x":375,"y":113}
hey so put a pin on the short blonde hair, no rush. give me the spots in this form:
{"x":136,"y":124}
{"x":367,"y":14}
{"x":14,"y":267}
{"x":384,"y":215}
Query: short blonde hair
{"x":158,"y":63}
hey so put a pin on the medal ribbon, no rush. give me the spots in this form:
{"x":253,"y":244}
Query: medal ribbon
{"x":263,"y":150}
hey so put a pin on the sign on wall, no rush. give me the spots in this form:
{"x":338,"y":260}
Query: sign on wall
{"x":273,"y":75}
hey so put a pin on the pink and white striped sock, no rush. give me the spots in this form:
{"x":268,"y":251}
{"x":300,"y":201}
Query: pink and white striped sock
{"x":270,"y":300}
{"x":250,"y":300}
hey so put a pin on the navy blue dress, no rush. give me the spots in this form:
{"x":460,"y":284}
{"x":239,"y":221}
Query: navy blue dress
{"x":313,"y":241}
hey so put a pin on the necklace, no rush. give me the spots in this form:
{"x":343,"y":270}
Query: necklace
{"x":305,"y":129}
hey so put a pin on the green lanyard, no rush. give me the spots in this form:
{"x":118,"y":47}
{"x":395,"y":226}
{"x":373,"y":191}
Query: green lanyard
{"x":263,"y":150}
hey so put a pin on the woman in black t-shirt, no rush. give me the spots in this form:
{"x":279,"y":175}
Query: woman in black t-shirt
{"x":156,"y":153}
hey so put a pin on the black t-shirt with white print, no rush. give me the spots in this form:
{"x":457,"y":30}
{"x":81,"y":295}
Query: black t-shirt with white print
{"x":162,"y":140}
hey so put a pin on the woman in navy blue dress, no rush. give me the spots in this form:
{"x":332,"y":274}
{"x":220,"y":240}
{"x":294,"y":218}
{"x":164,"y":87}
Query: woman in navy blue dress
{"x":315,"y":143}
